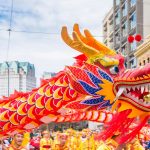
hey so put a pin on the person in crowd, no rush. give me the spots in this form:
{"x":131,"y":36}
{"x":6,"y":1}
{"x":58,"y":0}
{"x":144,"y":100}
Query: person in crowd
{"x":61,"y":143}
{"x":72,"y":139}
{"x":145,"y":144}
{"x":87,"y":143}
{"x":134,"y":145}
{"x":35,"y":142}
{"x":16,"y":144}
{"x":46,"y":141}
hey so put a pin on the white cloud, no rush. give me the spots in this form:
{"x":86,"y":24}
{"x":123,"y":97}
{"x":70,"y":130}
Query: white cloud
{"x":48,"y":52}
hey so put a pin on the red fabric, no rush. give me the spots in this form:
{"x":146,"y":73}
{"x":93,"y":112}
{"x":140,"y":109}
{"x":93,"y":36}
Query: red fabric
{"x":118,"y":124}
{"x":128,"y":137}
{"x":35,"y":142}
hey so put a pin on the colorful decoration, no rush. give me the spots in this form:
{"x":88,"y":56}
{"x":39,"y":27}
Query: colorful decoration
{"x":130,"y":39}
{"x":138,"y":37}
{"x":97,"y":80}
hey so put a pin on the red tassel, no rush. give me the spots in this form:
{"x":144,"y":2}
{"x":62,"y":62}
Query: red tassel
{"x":128,"y":137}
{"x":119,"y":123}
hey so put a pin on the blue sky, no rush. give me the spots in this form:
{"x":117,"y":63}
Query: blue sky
{"x":47,"y":51}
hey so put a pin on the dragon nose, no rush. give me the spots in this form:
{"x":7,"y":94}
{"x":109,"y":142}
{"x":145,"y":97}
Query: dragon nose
{"x":140,"y":71}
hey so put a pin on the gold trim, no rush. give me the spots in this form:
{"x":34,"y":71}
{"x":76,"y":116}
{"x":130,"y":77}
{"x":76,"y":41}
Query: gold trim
{"x":136,"y":104}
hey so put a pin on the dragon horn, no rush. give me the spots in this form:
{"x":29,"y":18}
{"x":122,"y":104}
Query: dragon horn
{"x":77,"y":30}
{"x":82,"y":47}
{"x":97,"y":45}
{"x":92,"y":42}
{"x":77,"y":44}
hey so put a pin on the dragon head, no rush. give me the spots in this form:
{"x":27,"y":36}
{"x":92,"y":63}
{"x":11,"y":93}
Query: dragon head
{"x":132,"y":90}
{"x":104,"y":79}
{"x":94,"y":51}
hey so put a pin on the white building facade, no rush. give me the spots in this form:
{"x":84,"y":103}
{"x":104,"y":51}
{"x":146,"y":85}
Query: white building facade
{"x":18,"y":76}
{"x":48,"y":75}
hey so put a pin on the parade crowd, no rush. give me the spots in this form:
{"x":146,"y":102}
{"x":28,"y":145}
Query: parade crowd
{"x":67,"y":140}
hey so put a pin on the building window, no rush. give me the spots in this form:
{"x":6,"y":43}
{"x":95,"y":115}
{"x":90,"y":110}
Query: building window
{"x":111,"y":45}
{"x":111,"y":28}
{"x":133,"y":21}
{"x":133,"y":63}
{"x":105,"y":42}
{"x":117,"y":38}
{"x":124,"y":50}
{"x":133,"y":46}
{"x":132,"y":3}
{"x":117,"y":2}
{"x":124,"y":29}
{"x":124,"y":9}
{"x":117,"y":17}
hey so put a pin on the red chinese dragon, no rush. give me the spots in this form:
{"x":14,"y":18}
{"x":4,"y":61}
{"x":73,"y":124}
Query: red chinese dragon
{"x":98,"y":87}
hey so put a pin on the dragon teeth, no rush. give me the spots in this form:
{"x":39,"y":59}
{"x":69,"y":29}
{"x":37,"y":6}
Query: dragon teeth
{"x":146,"y":88}
{"x":121,"y":89}
{"x":138,"y":87}
{"x":129,"y":88}
{"x":142,"y":89}
{"x":134,"y":88}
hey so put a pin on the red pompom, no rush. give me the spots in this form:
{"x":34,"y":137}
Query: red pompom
{"x":130,"y":39}
{"x":138,"y":37}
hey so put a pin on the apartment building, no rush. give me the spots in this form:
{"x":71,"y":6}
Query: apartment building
{"x":130,"y":17}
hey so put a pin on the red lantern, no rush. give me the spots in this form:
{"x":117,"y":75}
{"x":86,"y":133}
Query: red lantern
{"x":130,"y":39}
{"x":138,"y":37}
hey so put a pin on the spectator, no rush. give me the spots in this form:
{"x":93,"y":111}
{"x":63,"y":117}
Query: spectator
{"x":17,"y":142}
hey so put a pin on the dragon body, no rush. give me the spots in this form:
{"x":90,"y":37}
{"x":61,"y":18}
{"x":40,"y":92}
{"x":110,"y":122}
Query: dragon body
{"x":97,"y":82}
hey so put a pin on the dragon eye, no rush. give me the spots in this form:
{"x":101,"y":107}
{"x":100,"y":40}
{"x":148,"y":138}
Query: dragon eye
{"x":114,"y":70}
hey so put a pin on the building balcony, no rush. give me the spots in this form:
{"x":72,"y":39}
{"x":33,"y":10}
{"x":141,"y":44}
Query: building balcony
{"x":104,"y":36}
{"x":116,"y":45}
{"x":105,"y":28}
{"x":111,"y":21}
{"x":133,"y":3}
{"x":105,"y":39}
{"x":123,"y":44}
{"x":111,"y":18}
{"x":111,"y":45}
{"x":111,"y":39}
{"x":111,"y":34}
{"x":117,"y":27}
{"x":131,"y":52}
{"x":122,"y":2}
{"x":124,"y":39}
{"x":116,"y":8}
{"x":123,"y":19}
{"x":132,"y":31}
{"x":132,"y":9}
{"x":111,"y":29}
